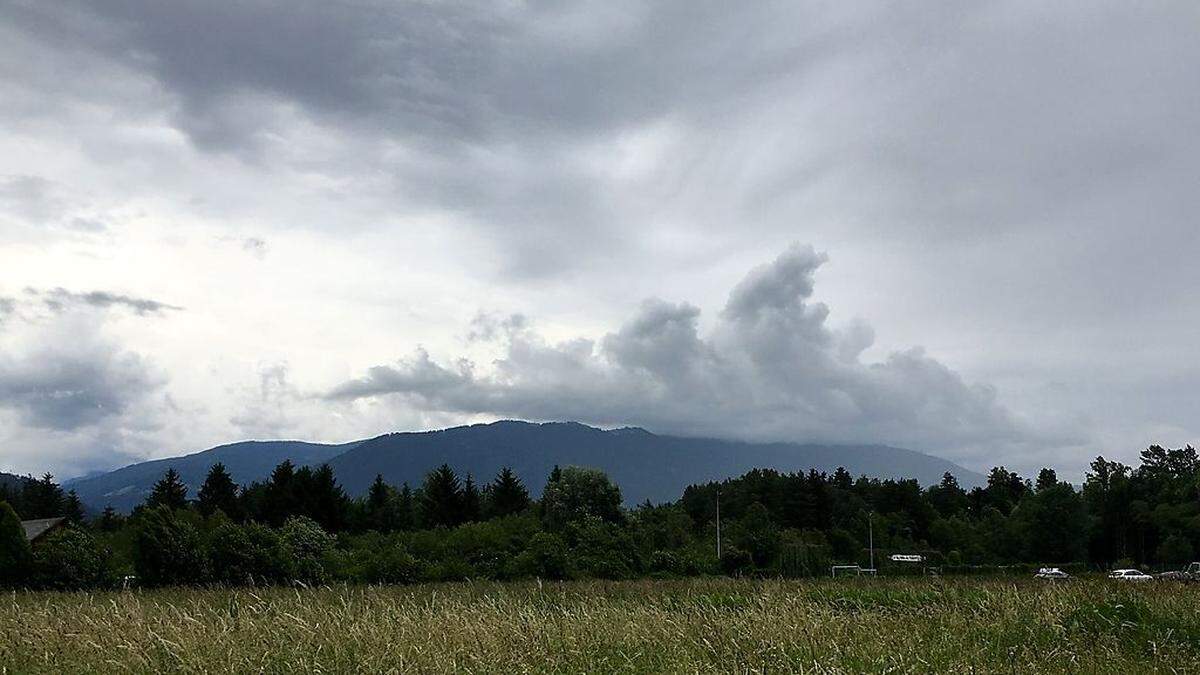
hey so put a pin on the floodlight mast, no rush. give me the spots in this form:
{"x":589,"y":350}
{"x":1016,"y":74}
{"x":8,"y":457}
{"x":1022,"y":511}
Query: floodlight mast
{"x":718,"y":525}
{"x":871,"y":536}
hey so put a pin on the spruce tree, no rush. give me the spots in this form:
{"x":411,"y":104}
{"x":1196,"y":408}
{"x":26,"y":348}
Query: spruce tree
{"x":472,"y":505}
{"x":378,"y":506}
{"x":279,"y":498}
{"x":42,"y":498}
{"x":219,"y":492}
{"x":326,"y":500}
{"x":506,"y":495}
{"x":169,"y":492}
{"x":109,"y":520}
{"x":405,"y":507}
{"x":73,"y":508}
{"x":441,"y":498}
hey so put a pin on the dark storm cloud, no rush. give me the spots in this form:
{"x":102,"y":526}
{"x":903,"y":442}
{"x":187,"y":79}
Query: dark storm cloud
{"x":770,"y":369}
{"x":60,"y":299}
{"x":956,"y":122}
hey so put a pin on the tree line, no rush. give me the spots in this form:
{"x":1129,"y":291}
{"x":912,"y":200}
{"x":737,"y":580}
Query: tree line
{"x":300,"y":526}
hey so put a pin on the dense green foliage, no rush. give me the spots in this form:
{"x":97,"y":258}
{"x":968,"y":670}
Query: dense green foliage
{"x":301,"y":527}
{"x":15,"y":557}
{"x":662,"y":626}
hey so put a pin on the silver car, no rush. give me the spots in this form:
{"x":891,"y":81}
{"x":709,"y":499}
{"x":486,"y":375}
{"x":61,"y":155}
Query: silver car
{"x":1129,"y":575}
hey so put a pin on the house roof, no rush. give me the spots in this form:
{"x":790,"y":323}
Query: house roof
{"x":38,"y":528}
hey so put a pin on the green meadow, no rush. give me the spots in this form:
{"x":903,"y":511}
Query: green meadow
{"x":706,"y":625}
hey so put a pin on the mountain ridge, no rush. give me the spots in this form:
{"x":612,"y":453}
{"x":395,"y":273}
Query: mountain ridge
{"x":644,"y":464}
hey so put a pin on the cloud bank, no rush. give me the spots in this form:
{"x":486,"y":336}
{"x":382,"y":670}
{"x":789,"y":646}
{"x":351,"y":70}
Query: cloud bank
{"x":770,"y":368}
{"x":327,"y":183}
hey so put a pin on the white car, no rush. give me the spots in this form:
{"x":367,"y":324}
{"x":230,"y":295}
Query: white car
{"x":1051,"y":573}
{"x":1129,"y":575}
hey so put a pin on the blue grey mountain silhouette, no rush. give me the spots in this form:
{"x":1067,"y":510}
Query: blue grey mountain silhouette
{"x":646,"y":466}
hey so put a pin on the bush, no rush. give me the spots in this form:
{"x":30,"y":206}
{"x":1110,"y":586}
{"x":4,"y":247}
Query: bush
{"x":168,"y":549}
{"x":576,"y":494}
{"x":604,"y":551}
{"x":735,"y":561}
{"x":246,"y":554}
{"x":15,"y":557}
{"x":546,"y":557}
{"x":306,"y":546}
{"x":71,"y":559}
{"x":387,"y":563}
{"x":665,"y":563}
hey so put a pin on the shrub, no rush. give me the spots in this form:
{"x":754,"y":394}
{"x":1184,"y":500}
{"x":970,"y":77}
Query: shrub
{"x":246,"y":554}
{"x":545,"y":557}
{"x":306,"y":546}
{"x":576,"y":494}
{"x":388,"y":563}
{"x":15,"y":557}
{"x":735,"y":561}
{"x":71,"y":559}
{"x":665,"y":562}
{"x":604,"y":551}
{"x":168,"y":549}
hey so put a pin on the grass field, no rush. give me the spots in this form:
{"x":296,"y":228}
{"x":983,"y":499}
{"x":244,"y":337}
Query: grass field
{"x":960,"y":625}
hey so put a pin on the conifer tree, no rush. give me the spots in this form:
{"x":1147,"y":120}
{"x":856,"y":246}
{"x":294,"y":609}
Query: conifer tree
{"x":441,"y":498}
{"x":280,"y":500}
{"x":406,"y":509}
{"x":506,"y":495}
{"x":472,"y":504}
{"x":169,"y":491}
{"x":326,"y":501}
{"x":42,"y":498}
{"x":109,"y":520}
{"x":219,"y":492}
{"x":73,"y":508}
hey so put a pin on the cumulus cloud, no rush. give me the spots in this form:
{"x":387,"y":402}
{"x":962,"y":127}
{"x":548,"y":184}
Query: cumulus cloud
{"x":770,"y":369}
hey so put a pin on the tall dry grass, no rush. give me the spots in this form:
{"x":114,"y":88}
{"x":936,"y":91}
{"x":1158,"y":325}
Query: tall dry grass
{"x":823,"y":626}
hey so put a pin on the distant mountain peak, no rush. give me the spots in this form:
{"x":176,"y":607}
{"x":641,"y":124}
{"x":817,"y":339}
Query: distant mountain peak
{"x":643,"y":464}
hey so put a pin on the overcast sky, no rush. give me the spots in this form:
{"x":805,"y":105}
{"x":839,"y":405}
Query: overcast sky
{"x":967,"y":228}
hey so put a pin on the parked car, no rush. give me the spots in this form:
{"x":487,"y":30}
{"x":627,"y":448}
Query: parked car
{"x":1129,"y":575}
{"x":1189,"y":573}
{"x":1051,"y":573}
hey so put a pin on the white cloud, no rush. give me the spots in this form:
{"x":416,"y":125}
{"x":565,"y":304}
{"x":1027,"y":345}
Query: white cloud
{"x":770,"y":369}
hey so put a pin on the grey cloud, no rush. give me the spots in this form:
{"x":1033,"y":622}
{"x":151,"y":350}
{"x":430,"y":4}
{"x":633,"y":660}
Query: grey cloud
{"x":255,"y":246}
{"x":30,"y":197}
{"x":38,"y":201}
{"x":265,"y":411}
{"x":770,"y":370}
{"x":60,"y":299}
{"x":883,"y":119}
{"x":64,"y":387}
{"x":1008,"y":182}
{"x":486,"y":327}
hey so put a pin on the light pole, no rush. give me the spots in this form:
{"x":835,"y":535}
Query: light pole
{"x":871,"y":537}
{"x":718,"y":525}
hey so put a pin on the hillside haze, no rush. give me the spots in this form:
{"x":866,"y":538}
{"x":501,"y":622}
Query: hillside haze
{"x":643,"y":464}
